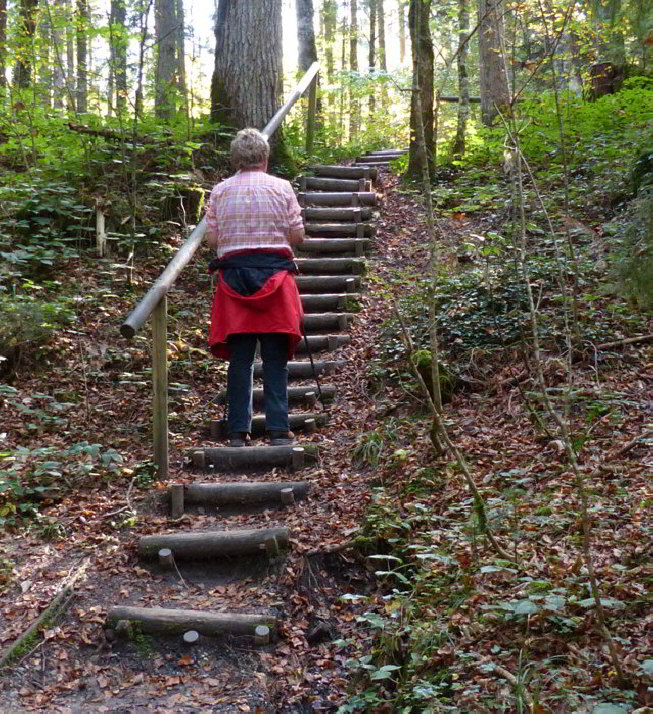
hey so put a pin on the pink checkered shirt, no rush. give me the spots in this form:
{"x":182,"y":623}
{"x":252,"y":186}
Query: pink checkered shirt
{"x":252,"y":210}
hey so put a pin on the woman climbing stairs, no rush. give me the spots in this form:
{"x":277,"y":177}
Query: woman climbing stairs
{"x":338,"y":209}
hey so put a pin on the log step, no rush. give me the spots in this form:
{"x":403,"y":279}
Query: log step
{"x":329,"y":302}
{"x":318,"y":322}
{"x":173,"y":621}
{"x":373,"y":160}
{"x":330,"y":266}
{"x":360,"y":230}
{"x":378,"y":164}
{"x":352,"y":246}
{"x":233,"y":458}
{"x":346,"y":213}
{"x":244,"y":492}
{"x":303,"y":369}
{"x":339,"y":198}
{"x":203,"y":545}
{"x":302,"y":395}
{"x":388,"y":152}
{"x":327,"y":283}
{"x":297,"y":422}
{"x":317,"y":183}
{"x":346,"y":172}
{"x":323,"y":343}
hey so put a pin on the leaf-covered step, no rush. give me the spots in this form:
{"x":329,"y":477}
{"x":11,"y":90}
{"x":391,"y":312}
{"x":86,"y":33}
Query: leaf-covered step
{"x":337,"y":198}
{"x":322,"y":343}
{"x":330,"y":301}
{"x":374,"y":160}
{"x":351,"y":213}
{"x":203,"y":545}
{"x":177,"y":621}
{"x":388,"y":152}
{"x":330,"y":266}
{"x":331,"y":321}
{"x":301,"y":395}
{"x":305,"y":421}
{"x":346,"y":246}
{"x":340,"y":230}
{"x":327,"y":283}
{"x":347,"y":172}
{"x":233,"y":458}
{"x":304,"y":369}
{"x":244,"y":492}
{"x":317,"y":183}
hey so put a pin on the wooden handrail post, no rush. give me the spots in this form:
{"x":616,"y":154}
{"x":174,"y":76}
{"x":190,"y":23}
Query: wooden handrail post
{"x":160,"y":386}
{"x":310,"y":119}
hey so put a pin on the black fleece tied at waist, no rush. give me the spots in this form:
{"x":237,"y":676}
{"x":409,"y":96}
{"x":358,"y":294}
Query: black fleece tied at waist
{"x":247,"y":273}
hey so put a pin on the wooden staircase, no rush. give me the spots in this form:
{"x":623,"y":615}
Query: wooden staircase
{"x":338,"y":205}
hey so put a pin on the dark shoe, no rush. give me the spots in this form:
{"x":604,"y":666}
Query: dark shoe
{"x":239,"y":438}
{"x":281,"y":438}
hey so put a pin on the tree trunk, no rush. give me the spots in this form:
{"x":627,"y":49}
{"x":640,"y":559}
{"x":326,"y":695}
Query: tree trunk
{"x":329,"y":20}
{"x":343,"y":66}
{"x":58,"y":15}
{"x":354,"y":105}
{"x":246,"y":82}
{"x":117,"y":56}
{"x":305,"y":35}
{"x":143,"y":32}
{"x":180,"y":38}
{"x":383,"y":63}
{"x":26,"y":30}
{"x":70,"y":55}
{"x":3,"y":44}
{"x":45,"y":68}
{"x":165,"y":29}
{"x":120,"y":41}
{"x":371,"y":55}
{"x":401,"y":8}
{"x":81,"y":27}
{"x":495,"y":94}
{"x":422,"y":50}
{"x":463,"y":79}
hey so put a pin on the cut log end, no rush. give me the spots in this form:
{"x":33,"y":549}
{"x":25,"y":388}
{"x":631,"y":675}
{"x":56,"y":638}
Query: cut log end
{"x":297,"y":458}
{"x":166,"y":558}
{"x":176,"y":501}
{"x":271,"y":546}
{"x":123,"y":629}
{"x":287,"y":496}
{"x":191,"y":637}
{"x":262,"y":635}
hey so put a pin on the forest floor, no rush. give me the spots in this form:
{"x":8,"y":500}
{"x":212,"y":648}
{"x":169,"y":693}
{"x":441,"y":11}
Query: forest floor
{"x":462,"y":637}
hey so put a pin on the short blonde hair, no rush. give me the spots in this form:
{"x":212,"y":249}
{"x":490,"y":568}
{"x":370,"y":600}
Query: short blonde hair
{"x":249,"y":149}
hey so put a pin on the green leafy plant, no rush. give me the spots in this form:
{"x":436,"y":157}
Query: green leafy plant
{"x":26,"y":326}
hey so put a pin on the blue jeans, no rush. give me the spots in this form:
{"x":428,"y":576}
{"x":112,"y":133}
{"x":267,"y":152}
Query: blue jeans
{"x":274,"y":353}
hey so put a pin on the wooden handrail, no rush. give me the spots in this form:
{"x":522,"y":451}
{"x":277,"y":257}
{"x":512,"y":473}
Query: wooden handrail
{"x":164,"y":282}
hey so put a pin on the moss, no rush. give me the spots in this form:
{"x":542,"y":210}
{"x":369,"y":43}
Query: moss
{"x":449,"y":382}
{"x":25,"y":646}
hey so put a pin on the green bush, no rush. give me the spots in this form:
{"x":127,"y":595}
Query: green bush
{"x":40,"y":224}
{"x":26,"y":326}
{"x":633,"y":264}
{"x":642,"y":174}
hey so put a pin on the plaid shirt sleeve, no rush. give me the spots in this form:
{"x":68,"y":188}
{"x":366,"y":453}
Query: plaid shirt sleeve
{"x":294,"y":210}
{"x":211,"y":220}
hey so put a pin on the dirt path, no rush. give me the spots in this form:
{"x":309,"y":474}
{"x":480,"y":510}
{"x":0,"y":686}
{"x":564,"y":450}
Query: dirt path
{"x":76,"y":668}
